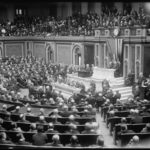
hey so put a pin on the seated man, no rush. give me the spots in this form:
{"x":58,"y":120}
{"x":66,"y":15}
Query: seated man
{"x":75,"y":113}
{"x":91,"y":110}
{"x":56,"y":141}
{"x":4,"y":109}
{"x":65,"y":112}
{"x":55,"y":121}
{"x":72,"y":129}
{"x":51,"y":128}
{"x":22,"y":140}
{"x":99,"y":142}
{"x":124,"y":129}
{"x":1,"y":123}
{"x":14,"y":127}
{"x":41,"y":113}
{"x":3,"y":138}
{"x":54,"y":113}
{"x":123,"y":120}
{"x":33,"y":128}
{"x":73,"y":142}
{"x":39,"y":138}
{"x":134,"y":142}
{"x":72,"y":120}
{"x":23,"y":118}
{"x":146,"y":129}
{"x":7,"y":116}
{"x":136,"y":118}
{"x":86,"y":114}
{"x":17,"y":110}
{"x":41,"y":119}
{"x":29,"y":113}
{"x":88,"y":129}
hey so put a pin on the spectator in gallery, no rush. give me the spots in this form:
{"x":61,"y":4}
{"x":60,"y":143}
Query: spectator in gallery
{"x":14,"y":127}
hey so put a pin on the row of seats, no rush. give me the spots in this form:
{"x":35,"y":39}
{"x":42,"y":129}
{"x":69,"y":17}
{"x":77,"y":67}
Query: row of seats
{"x":27,"y":126}
{"x":34,"y":119}
{"x":137,"y":128}
{"x":84,"y":139}
{"x":124,"y":131}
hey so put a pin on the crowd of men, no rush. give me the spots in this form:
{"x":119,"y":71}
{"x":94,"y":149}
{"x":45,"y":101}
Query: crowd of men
{"x":77,"y":24}
{"x":31,"y":73}
{"x":38,"y":76}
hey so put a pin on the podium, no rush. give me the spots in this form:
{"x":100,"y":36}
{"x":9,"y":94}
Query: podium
{"x":102,"y":73}
{"x":84,"y":74}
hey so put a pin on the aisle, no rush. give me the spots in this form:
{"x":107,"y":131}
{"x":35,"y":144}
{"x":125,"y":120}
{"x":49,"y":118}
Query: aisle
{"x":108,"y":140}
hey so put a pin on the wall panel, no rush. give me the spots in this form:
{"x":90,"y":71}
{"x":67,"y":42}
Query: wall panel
{"x":15,"y":49}
{"x":64,"y":53}
{"x":39,"y":50}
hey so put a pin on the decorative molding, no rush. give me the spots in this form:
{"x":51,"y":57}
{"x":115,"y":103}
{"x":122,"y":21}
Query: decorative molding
{"x":107,"y":32}
{"x":127,"y":32}
{"x":97,"y":33}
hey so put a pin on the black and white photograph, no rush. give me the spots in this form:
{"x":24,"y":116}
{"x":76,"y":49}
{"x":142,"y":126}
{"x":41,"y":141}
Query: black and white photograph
{"x":74,"y":74}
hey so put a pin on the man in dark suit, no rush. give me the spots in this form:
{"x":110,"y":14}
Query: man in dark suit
{"x":39,"y":138}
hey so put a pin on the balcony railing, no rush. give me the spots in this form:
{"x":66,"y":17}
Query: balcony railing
{"x":140,"y":31}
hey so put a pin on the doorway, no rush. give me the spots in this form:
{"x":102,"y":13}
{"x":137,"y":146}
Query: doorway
{"x":89,"y":54}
